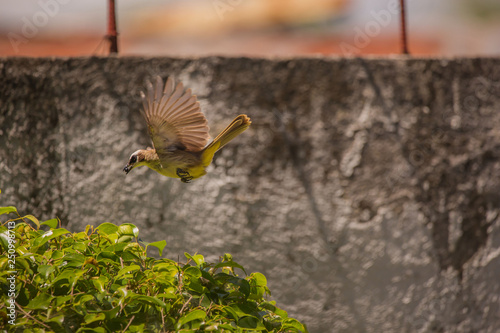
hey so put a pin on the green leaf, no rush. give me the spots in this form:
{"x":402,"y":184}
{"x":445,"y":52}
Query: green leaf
{"x":258,"y":286}
{"x":100,"y":283}
{"x":228,"y":327}
{"x":74,"y":259}
{"x":107,"y":228}
{"x":168,"y":295}
{"x":4,"y":238}
{"x":45,"y":271}
{"x":159,"y":245}
{"x":115,"y":248}
{"x":125,"y":239}
{"x":112,"y":237}
{"x":57,"y":319}
{"x":24,"y":264}
{"x":230,"y":264}
{"x":91,"y":317}
{"x":208,"y":276}
{"x":193,"y":315}
{"x":250,"y":322}
{"x":166,"y":268}
{"x":22,"y":251}
{"x":274,"y":309}
{"x":3,"y":264}
{"x":197,"y":258}
{"x":259,"y":279}
{"x":243,"y":285}
{"x":107,"y":255}
{"x":71,"y":275}
{"x":80,"y":247}
{"x":33,"y":219}
{"x":52,"y":223}
{"x":40,"y":302}
{"x":137,"y":328}
{"x":57,"y":254}
{"x":230,"y":311}
{"x":82,"y":299}
{"x":7,"y":210}
{"x":51,"y":234}
{"x":197,"y":287}
{"x":80,"y":237}
{"x":60,"y":300}
{"x":133,"y":247}
{"x":112,"y":314}
{"x":147,"y":299}
{"x":192,"y":272}
{"x":291,"y":323}
{"x":128,"y":269}
{"x":128,"y":229}
{"x":244,"y":309}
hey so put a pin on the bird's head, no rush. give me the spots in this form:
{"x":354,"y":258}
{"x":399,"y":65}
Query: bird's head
{"x":135,"y":160}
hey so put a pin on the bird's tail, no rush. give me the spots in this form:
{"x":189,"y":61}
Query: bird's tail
{"x":237,"y":126}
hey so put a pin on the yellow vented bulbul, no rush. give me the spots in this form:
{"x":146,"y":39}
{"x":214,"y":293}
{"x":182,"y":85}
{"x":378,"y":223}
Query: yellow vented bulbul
{"x":179,"y":132}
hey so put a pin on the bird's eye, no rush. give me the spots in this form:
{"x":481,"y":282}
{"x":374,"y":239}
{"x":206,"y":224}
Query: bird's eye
{"x":133,"y":159}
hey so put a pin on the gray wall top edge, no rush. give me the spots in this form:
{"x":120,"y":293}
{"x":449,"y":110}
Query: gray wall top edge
{"x":397,"y":57}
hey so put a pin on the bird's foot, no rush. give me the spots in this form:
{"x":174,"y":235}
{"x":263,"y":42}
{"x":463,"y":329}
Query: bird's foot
{"x":184,"y":175}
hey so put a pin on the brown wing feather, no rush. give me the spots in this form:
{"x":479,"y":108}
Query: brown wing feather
{"x":174,"y":117}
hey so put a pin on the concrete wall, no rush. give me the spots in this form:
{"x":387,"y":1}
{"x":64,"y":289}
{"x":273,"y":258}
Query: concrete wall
{"x":366,"y":190}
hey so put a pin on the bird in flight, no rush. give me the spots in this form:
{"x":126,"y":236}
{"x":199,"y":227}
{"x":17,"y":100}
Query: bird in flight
{"x":179,"y":132}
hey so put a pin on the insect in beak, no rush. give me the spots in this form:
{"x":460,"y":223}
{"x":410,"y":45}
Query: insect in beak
{"x":126,"y":169}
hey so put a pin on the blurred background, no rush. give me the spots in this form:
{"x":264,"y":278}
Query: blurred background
{"x":249,"y":27}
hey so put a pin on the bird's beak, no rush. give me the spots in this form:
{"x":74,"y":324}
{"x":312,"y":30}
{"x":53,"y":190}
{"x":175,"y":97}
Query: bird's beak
{"x":127,"y":169}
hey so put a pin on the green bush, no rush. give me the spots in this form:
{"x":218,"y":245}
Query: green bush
{"x":101,"y":280}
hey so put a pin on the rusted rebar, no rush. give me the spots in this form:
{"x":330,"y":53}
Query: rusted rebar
{"x":112,"y":33}
{"x":404,"y":41}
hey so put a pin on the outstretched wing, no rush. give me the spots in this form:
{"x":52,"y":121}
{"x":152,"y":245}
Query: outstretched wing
{"x":174,"y":117}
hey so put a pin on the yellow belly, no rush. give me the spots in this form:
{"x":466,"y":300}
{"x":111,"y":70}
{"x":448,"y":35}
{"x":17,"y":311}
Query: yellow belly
{"x":195,"y":172}
{"x":171,"y":170}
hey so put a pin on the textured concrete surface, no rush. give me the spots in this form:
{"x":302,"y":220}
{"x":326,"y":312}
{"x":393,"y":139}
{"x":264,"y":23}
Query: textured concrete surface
{"x":366,"y":190}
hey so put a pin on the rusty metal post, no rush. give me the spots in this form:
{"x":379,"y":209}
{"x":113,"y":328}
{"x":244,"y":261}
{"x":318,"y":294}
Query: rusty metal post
{"x":404,"y":41}
{"x":112,"y":33}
